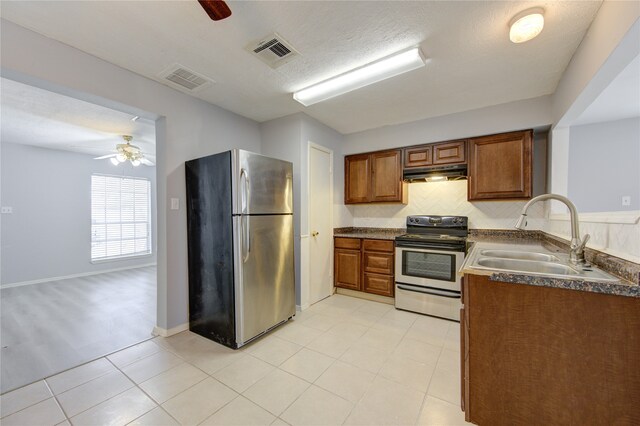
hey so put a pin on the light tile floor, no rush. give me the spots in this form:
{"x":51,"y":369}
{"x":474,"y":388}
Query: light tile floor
{"x":342,"y":361}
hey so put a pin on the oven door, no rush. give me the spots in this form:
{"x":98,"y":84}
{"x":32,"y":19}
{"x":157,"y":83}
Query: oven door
{"x":437,"y":269}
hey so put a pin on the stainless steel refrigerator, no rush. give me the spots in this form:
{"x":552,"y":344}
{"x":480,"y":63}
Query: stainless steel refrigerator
{"x":240,"y":242}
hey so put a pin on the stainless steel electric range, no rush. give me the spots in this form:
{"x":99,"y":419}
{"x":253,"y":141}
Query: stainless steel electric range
{"x":428,"y":257}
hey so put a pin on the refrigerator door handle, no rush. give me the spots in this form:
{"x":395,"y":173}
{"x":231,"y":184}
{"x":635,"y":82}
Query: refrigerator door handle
{"x":246,"y":240}
{"x":245,"y":191}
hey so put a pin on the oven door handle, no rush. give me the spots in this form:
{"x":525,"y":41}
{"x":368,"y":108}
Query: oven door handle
{"x":432,"y":292}
{"x":431,"y":246}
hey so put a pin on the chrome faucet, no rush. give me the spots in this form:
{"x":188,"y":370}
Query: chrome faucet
{"x":576,"y":252}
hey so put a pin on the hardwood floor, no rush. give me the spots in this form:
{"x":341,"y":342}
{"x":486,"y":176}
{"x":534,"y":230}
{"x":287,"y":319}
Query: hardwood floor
{"x":49,"y":327}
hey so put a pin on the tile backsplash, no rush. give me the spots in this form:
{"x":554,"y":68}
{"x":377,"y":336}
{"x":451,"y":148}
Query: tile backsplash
{"x":446,"y":198}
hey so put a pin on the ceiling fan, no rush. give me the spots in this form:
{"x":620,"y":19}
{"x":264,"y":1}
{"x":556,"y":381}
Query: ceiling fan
{"x":216,"y":9}
{"x":127,"y":152}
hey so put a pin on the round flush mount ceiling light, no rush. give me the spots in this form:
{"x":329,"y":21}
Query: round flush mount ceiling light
{"x":526,"y":25}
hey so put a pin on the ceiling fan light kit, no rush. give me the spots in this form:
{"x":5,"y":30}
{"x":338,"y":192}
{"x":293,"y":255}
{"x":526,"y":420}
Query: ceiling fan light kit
{"x":526,"y":25}
{"x":387,"y":67}
{"x":127,"y":152}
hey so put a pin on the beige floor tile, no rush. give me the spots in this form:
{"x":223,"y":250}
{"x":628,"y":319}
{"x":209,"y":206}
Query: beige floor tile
{"x":343,"y":302}
{"x":240,"y":412}
{"x":279,"y":422}
{"x":346,"y":381}
{"x":418,"y":351}
{"x":429,"y":330}
{"x":24,"y":397}
{"x":376,"y":308}
{"x":363,"y":318}
{"x":273,"y":350}
{"x":76,"y":376}
{"x":64,"y":423}
{"x":365,"y":357}
{"x":381,"y":339}
{"x":321,"y":322}
{"x":452,"y":340}
{"x":195,"y":346}
{"x":46,"y":412}
{"x":134,"y":353}
{"x":155,"y":417}
{"x":166,"y":385}
{"x":436,"y":412}
{"x":387,"y":403}
{"x":331,"y":344}
{"x":213,"y":362}
{"x":445,"y":382}
{"x":317,"y":406}
{"x":243,"y":373}
{"x":118,"y":410}
{"x":302,"y":316}
{"x":83,"y":397}
{"x":175,"y":341}
{"x":408,"y":372}
{"x":307,"y":364}
{"x":348,"y":330}
{"x":400,"y":317}
{"x":199,"y":402}
{"x":150,"y":366}
{"x":276,"y":391}
{"x":298,"y":333}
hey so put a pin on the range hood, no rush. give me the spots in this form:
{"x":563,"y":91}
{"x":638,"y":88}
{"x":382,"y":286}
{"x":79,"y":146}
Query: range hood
{"x":435,"y":174}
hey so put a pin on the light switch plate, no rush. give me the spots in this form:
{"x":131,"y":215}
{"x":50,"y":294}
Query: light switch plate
{"x":626,"y":200}
{"x":6,"y":210}
{"x":175,"y":204}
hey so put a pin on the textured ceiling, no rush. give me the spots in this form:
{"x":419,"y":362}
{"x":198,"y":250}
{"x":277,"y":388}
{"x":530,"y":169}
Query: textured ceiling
{"x":32,"y":116}
{"x":472,"y":62}
{"x":620,"y":100}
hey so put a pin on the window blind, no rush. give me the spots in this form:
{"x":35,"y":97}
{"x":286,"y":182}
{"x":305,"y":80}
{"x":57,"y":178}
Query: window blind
{"x":120,"y":217}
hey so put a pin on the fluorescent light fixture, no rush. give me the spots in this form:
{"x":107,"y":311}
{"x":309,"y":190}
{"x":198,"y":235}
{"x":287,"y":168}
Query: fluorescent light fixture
{"x":526,"y":25}
{"x":379,"y":70}
{"x":436,"y":178}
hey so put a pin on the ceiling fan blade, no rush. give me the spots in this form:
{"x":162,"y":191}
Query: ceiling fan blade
{"x":105,"y":156}
{"x":146,"y":162}
{"x":216,"y":9}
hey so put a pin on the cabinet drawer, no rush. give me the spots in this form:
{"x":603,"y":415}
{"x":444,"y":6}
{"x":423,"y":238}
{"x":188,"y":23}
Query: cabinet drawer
{"x":378,"y":245}
{"x":378,"y":284}
{"x":380,"y":263}
{"x":347,"y":243}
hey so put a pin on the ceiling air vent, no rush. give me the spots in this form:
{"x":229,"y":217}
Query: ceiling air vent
{"x":183,"y":78}
{"x":273,"y":50}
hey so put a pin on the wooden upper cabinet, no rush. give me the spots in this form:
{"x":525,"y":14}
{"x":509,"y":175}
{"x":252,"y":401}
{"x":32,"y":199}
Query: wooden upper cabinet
{"x":386,"y":176}
{"x":420,"y":156}
{"x":374,"y":178}
{"x":449,"y":152}
{"x":500,"y":166}
{"x":357,"y":178}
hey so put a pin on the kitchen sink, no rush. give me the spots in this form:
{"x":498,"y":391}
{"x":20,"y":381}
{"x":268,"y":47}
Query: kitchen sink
{"x":521,"y":255}
{"x":533,"y":266}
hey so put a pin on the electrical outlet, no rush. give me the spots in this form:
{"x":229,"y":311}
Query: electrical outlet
{"x":175,"y":204}
{"x":626,"y":200}
{"x":6,"y":210}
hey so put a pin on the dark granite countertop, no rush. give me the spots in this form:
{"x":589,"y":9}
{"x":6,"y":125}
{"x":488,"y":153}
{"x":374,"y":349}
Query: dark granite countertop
{"x":628,"y":272}
{"x":369,"y":233}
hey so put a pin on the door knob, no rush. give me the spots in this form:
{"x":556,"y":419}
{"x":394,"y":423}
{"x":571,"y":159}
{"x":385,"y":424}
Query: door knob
{"x":315,"y":233}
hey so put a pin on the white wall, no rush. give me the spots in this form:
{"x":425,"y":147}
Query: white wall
{"x":49,"y":232}
{"x":287,"y":138}
{"x":604,"y":161}
{"x":186,"y":128}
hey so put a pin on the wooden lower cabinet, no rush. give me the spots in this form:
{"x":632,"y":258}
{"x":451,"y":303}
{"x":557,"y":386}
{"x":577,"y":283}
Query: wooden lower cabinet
{"x":364,"y":265}
{"x":540,"y":355}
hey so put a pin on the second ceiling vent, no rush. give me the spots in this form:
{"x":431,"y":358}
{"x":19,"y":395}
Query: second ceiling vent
{"x":273,"y":50}
{"x":183,"y":78}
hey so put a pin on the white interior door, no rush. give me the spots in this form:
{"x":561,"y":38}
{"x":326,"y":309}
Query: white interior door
{"x":320,"y":222}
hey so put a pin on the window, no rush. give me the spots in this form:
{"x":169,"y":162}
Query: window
{"x":120,"y":217}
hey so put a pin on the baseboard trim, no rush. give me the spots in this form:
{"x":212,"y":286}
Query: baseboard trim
{"x":66,"y":277}
{"x":163,"y":332}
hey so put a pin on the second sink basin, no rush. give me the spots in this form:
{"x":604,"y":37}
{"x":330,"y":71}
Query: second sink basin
{"x":521,"y":255}
{"x":517,"y":265}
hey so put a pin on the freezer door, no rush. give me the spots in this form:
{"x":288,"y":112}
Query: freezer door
{"x":262,"y":185}
{"x":265,"y":283}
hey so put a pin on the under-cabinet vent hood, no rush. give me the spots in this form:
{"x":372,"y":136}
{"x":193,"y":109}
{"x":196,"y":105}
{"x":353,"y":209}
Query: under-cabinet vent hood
{"x":435,"y":174}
